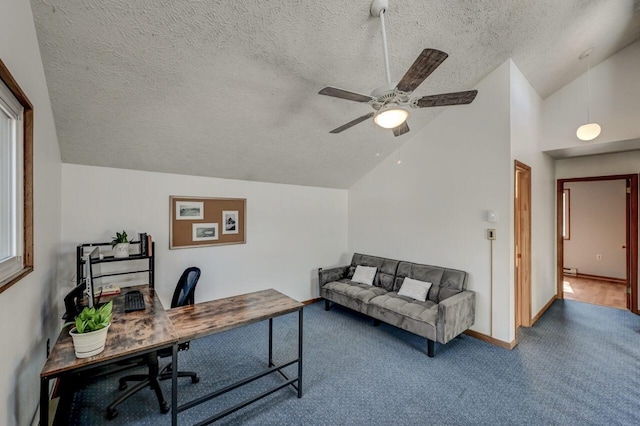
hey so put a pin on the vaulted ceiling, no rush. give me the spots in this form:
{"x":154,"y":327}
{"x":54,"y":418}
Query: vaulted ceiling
{"x":229,"y":88}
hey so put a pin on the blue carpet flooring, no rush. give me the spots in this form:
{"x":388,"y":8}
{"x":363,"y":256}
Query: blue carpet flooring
{"x":579,"y":365}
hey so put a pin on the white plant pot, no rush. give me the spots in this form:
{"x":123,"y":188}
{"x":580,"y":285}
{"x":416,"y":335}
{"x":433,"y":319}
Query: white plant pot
{"x":89,"y":344}
{"x":121,"y":250}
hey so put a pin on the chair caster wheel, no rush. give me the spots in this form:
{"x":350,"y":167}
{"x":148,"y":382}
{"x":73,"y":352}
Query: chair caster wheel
{"x":122,"y":386}
{"x":112,"y":413}
{"x":195,"y":379}
{"x":164,"y":408}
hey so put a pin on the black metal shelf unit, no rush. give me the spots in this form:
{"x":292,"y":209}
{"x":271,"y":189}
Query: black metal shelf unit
{"x":108,"y":259}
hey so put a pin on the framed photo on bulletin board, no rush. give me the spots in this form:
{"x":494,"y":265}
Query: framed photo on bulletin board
{"x":201,"y":221}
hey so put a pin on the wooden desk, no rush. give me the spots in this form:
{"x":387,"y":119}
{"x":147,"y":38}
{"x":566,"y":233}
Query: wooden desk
{"x":130,"y":335}
{"x":203,"y":319}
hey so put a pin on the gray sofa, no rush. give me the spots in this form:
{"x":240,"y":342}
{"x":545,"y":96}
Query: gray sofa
{"x":448,"y":311}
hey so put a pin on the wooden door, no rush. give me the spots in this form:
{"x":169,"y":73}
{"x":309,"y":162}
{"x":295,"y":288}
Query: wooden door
{"x":522,"y":235}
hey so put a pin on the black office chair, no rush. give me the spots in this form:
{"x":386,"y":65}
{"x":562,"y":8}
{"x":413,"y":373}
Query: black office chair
{"x":183,"y":295}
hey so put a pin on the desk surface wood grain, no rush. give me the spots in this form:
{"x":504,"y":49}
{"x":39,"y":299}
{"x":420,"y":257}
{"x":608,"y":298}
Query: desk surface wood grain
{"x":130,"y":333}
{"x":203,"y":319}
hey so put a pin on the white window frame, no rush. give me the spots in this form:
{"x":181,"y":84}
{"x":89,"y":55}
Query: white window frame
{"x":11,"y":107}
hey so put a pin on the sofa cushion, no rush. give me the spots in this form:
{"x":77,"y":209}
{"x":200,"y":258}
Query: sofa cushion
{"x":431,"y":274}
{"x":386,"y":269}
{"x":408,"y":307}
{"x":453,"y":282}
{"x":358,"y":291}
{"x":446,"y":282}
{"x":407,"y":313}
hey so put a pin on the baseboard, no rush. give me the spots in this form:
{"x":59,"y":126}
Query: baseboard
{"x":601,"y":278}
{"x":492,"y":340}
{"x":310,"y":301}
{"x":543,"y":310}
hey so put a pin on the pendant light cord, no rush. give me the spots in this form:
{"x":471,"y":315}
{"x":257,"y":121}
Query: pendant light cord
{"x":588,"y":67}
{"x":384,"y":47}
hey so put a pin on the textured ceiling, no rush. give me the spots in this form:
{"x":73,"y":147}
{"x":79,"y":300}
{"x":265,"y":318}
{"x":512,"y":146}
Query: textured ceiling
{"x":229,"y":88}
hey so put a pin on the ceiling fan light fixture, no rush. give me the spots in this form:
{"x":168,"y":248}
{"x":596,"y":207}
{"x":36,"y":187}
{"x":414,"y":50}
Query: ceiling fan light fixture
{"x":588,"y":132}
{"x":390,"y":117}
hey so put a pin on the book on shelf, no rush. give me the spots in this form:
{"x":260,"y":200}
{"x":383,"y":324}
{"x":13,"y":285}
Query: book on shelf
{"x":143,"y":244}
{"x":107,"y":290}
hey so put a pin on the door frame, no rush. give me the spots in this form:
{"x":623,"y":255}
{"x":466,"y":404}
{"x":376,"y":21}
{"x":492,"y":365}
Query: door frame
{"x":522,"y":269}
{"x":631,"y":230}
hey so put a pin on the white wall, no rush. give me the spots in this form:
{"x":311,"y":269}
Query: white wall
{"x":614,"y":103}
{"x":597,"y":226}
{"x":599,"y":165}
{"x":526,"y":116}
{"x":291,"y":230}
{"x":28,"y":310}
{"x":431,"y":208}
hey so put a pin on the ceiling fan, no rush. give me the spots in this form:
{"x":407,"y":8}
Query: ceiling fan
{"x":391,"y":102}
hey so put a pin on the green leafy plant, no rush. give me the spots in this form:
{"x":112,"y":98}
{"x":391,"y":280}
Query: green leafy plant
{"x":92,"y":319}
{"x":119,"y":238}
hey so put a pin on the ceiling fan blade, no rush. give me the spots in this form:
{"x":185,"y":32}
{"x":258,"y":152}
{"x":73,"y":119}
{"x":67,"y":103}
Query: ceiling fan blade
{"x":344,"y":94}
{"x":352,"y":123}
{"x":444,"y":99}
{"x":424,"y":65}
{"x":401,"y":129}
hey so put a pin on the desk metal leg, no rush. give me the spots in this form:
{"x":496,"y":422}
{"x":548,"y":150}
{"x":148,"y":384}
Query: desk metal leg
{"x":174,"y":385}
{"x":271,"y":364}
{"x":44,"y":401}
{"x":300,"y":353}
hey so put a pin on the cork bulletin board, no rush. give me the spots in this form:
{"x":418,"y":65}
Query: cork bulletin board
{"x":201,"y":221}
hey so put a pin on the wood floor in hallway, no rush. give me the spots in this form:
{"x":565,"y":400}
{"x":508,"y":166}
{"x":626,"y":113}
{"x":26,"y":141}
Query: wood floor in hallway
{"x":597,"y":292}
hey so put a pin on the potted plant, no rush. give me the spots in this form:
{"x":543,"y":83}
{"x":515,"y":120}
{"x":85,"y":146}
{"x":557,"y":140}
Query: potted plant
{"x":120,"y":245}
{"x":90,"y":332}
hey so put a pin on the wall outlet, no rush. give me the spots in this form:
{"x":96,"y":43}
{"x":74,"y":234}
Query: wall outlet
{"x":491,"y":234}
{"x":598,"y":257}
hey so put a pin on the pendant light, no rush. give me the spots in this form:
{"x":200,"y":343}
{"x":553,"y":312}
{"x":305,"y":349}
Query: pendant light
{"x":589,"y":131}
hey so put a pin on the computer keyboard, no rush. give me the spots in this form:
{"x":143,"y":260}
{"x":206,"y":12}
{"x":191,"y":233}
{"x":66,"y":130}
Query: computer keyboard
{"x":133,"y":301}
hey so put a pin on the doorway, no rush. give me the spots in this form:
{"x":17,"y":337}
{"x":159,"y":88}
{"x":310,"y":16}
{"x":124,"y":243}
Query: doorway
{"x":630,"y":245}
{"x":522,"y":236}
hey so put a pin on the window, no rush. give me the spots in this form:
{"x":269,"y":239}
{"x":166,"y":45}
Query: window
{"x":16,"y":207}
{"x":566,"y":216}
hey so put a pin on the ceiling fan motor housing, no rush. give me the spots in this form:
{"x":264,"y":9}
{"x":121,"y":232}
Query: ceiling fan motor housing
{"x":387,"y":94}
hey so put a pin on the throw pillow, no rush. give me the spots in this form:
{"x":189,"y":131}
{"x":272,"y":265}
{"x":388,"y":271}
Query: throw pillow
{"x":364,"y":274}
{"x":414,"y":289}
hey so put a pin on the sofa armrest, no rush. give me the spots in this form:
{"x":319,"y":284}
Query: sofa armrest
{"x":332,"y":274}
{"x":455,"y":315}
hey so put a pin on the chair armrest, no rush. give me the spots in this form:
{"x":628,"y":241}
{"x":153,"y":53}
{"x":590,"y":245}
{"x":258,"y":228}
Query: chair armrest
{"x":332,"y":274}
{"x":455,"y":315}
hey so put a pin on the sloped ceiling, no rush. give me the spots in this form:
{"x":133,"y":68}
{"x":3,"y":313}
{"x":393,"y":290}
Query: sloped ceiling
{"x":229,"y":88}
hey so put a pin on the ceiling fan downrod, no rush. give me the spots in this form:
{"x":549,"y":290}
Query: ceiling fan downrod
{"x":378,"y":8}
